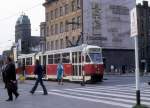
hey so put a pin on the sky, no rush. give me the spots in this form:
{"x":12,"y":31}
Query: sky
{"x":10,"y":10}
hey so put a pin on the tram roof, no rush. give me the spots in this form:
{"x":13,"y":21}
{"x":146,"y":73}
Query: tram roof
{"x":72,"y":49}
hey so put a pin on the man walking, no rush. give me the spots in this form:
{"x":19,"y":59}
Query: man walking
{"x":10,"y":78}
{"x":39,"y":72}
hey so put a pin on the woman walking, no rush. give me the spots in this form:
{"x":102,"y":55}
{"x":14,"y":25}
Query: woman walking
{"x":60,"y":73}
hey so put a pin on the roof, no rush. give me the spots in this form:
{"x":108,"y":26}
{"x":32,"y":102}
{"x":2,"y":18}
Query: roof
{"x":49,"y":2}
{"x":23,"y":19}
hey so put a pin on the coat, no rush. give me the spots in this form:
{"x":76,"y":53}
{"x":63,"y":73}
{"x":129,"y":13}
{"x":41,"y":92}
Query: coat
{"x":38,"y":71}
{"x":60,"y":71}
{"x":10,"y":72}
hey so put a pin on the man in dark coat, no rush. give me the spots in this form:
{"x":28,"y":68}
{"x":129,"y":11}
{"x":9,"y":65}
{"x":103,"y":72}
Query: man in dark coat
{"x":39,"y":72}
{"x":10,"y":78}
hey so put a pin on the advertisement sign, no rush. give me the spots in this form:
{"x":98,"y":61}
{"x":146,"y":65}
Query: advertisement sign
{"x":134,"y":24}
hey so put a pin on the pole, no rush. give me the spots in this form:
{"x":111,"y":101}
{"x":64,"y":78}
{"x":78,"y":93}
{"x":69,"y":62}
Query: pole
{"x":137,"y":72}
{"x":82,"y":35}
{"x":82,"y":29}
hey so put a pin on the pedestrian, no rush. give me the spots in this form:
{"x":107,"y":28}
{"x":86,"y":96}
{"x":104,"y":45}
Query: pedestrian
{"x":112,"y":68}
{"x":4,"y":73}
{"x":123,"y":69}
{"x":39,"y":72}
{"x":60,"y":73}
{"x":10,"y":78}
{"x":23,"y":70}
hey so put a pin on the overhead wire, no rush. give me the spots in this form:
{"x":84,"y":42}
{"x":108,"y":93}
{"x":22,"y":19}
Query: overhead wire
{"x":15,"y":14}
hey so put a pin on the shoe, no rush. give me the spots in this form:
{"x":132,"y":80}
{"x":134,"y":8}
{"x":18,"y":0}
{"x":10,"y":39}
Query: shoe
{"x":32,"y":92}
{"x":8,"y":100}
{"x":45,"y":94}
{"x":17,"y":95}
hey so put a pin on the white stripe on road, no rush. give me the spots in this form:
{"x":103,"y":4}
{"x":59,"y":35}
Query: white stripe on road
{"x":101,"y":97}
{"x":118,"y":91}
{"x":92,"y":100}
{"x":108,"y":94}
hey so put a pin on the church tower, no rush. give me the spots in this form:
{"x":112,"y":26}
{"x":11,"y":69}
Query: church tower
{"x":23,"y":33}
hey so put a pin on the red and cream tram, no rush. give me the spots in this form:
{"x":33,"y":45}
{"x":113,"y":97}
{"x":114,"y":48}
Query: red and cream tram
{"x":84,"y":60}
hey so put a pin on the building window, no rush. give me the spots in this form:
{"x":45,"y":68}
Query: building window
{"x":48,"y":46}
{"x":61,"y":44}
{"x":56,"y":13}
{"x":61,"y":27}
{"x":56,"y":28}
{"x":73,"y":25}
{"x":66,"y":26}
{"x":47,"y":31}
{"x":52,"y":15}
{"x":66,"y":9}
{"x":52,"y":45}
{"x":73,"y":5}
{"x":61,"y":11}
{"x":56,"y":44}
{"x":52,"y":30}
{"x":78,"y":4}
{"x":73,"y":40}
{"x":47,"y":16}
{"x":78,"y":22}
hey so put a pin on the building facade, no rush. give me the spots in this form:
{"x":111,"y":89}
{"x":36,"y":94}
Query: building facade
{"x":96,"y":22}
{"x":63,"y":18}
{"x":43,"y":36}
{"x":143,"y":13}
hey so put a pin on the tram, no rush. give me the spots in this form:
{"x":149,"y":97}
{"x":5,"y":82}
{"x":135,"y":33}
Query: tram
{"x":79,"y":62}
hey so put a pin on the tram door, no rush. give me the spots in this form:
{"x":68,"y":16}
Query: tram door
{"x":76,"y":61}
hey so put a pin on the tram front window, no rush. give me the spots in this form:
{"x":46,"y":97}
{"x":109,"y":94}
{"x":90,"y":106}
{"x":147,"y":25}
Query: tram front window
{"x":95,"y":57}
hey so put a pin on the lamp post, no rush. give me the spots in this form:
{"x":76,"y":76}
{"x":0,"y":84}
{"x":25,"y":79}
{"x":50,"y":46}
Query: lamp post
{"x":82,"y":35}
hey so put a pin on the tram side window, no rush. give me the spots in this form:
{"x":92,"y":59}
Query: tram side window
{"x":56,"y":58}
{"x":50,"y":59}
{"x":87,"y":59}
{"x":29,"y":61}
{"x":40,"y":59}
{"x":79,"y":57}
{"x":74,"y":57}
{"x":65,"y":58}
{"x":19,"y":63}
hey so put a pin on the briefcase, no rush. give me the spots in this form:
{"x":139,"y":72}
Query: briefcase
{"x":12,"y":85}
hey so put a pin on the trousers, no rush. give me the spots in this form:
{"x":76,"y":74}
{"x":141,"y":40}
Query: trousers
{"x":39,"y":80}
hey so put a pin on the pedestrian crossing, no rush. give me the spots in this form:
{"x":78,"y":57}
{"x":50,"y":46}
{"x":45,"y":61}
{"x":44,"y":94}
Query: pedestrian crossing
{"x":122,"y":96}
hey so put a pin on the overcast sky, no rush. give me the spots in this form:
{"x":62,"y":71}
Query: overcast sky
{"x":10,"y":10}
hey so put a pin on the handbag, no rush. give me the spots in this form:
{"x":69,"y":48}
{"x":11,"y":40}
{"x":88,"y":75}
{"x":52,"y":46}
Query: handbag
{"x":12,"y":85}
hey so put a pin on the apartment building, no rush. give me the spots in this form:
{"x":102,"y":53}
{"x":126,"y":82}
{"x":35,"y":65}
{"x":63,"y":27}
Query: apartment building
{"x":63,"y":23}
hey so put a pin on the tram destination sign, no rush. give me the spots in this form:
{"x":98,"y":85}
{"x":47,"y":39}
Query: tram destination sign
{"x":94,"y":50}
